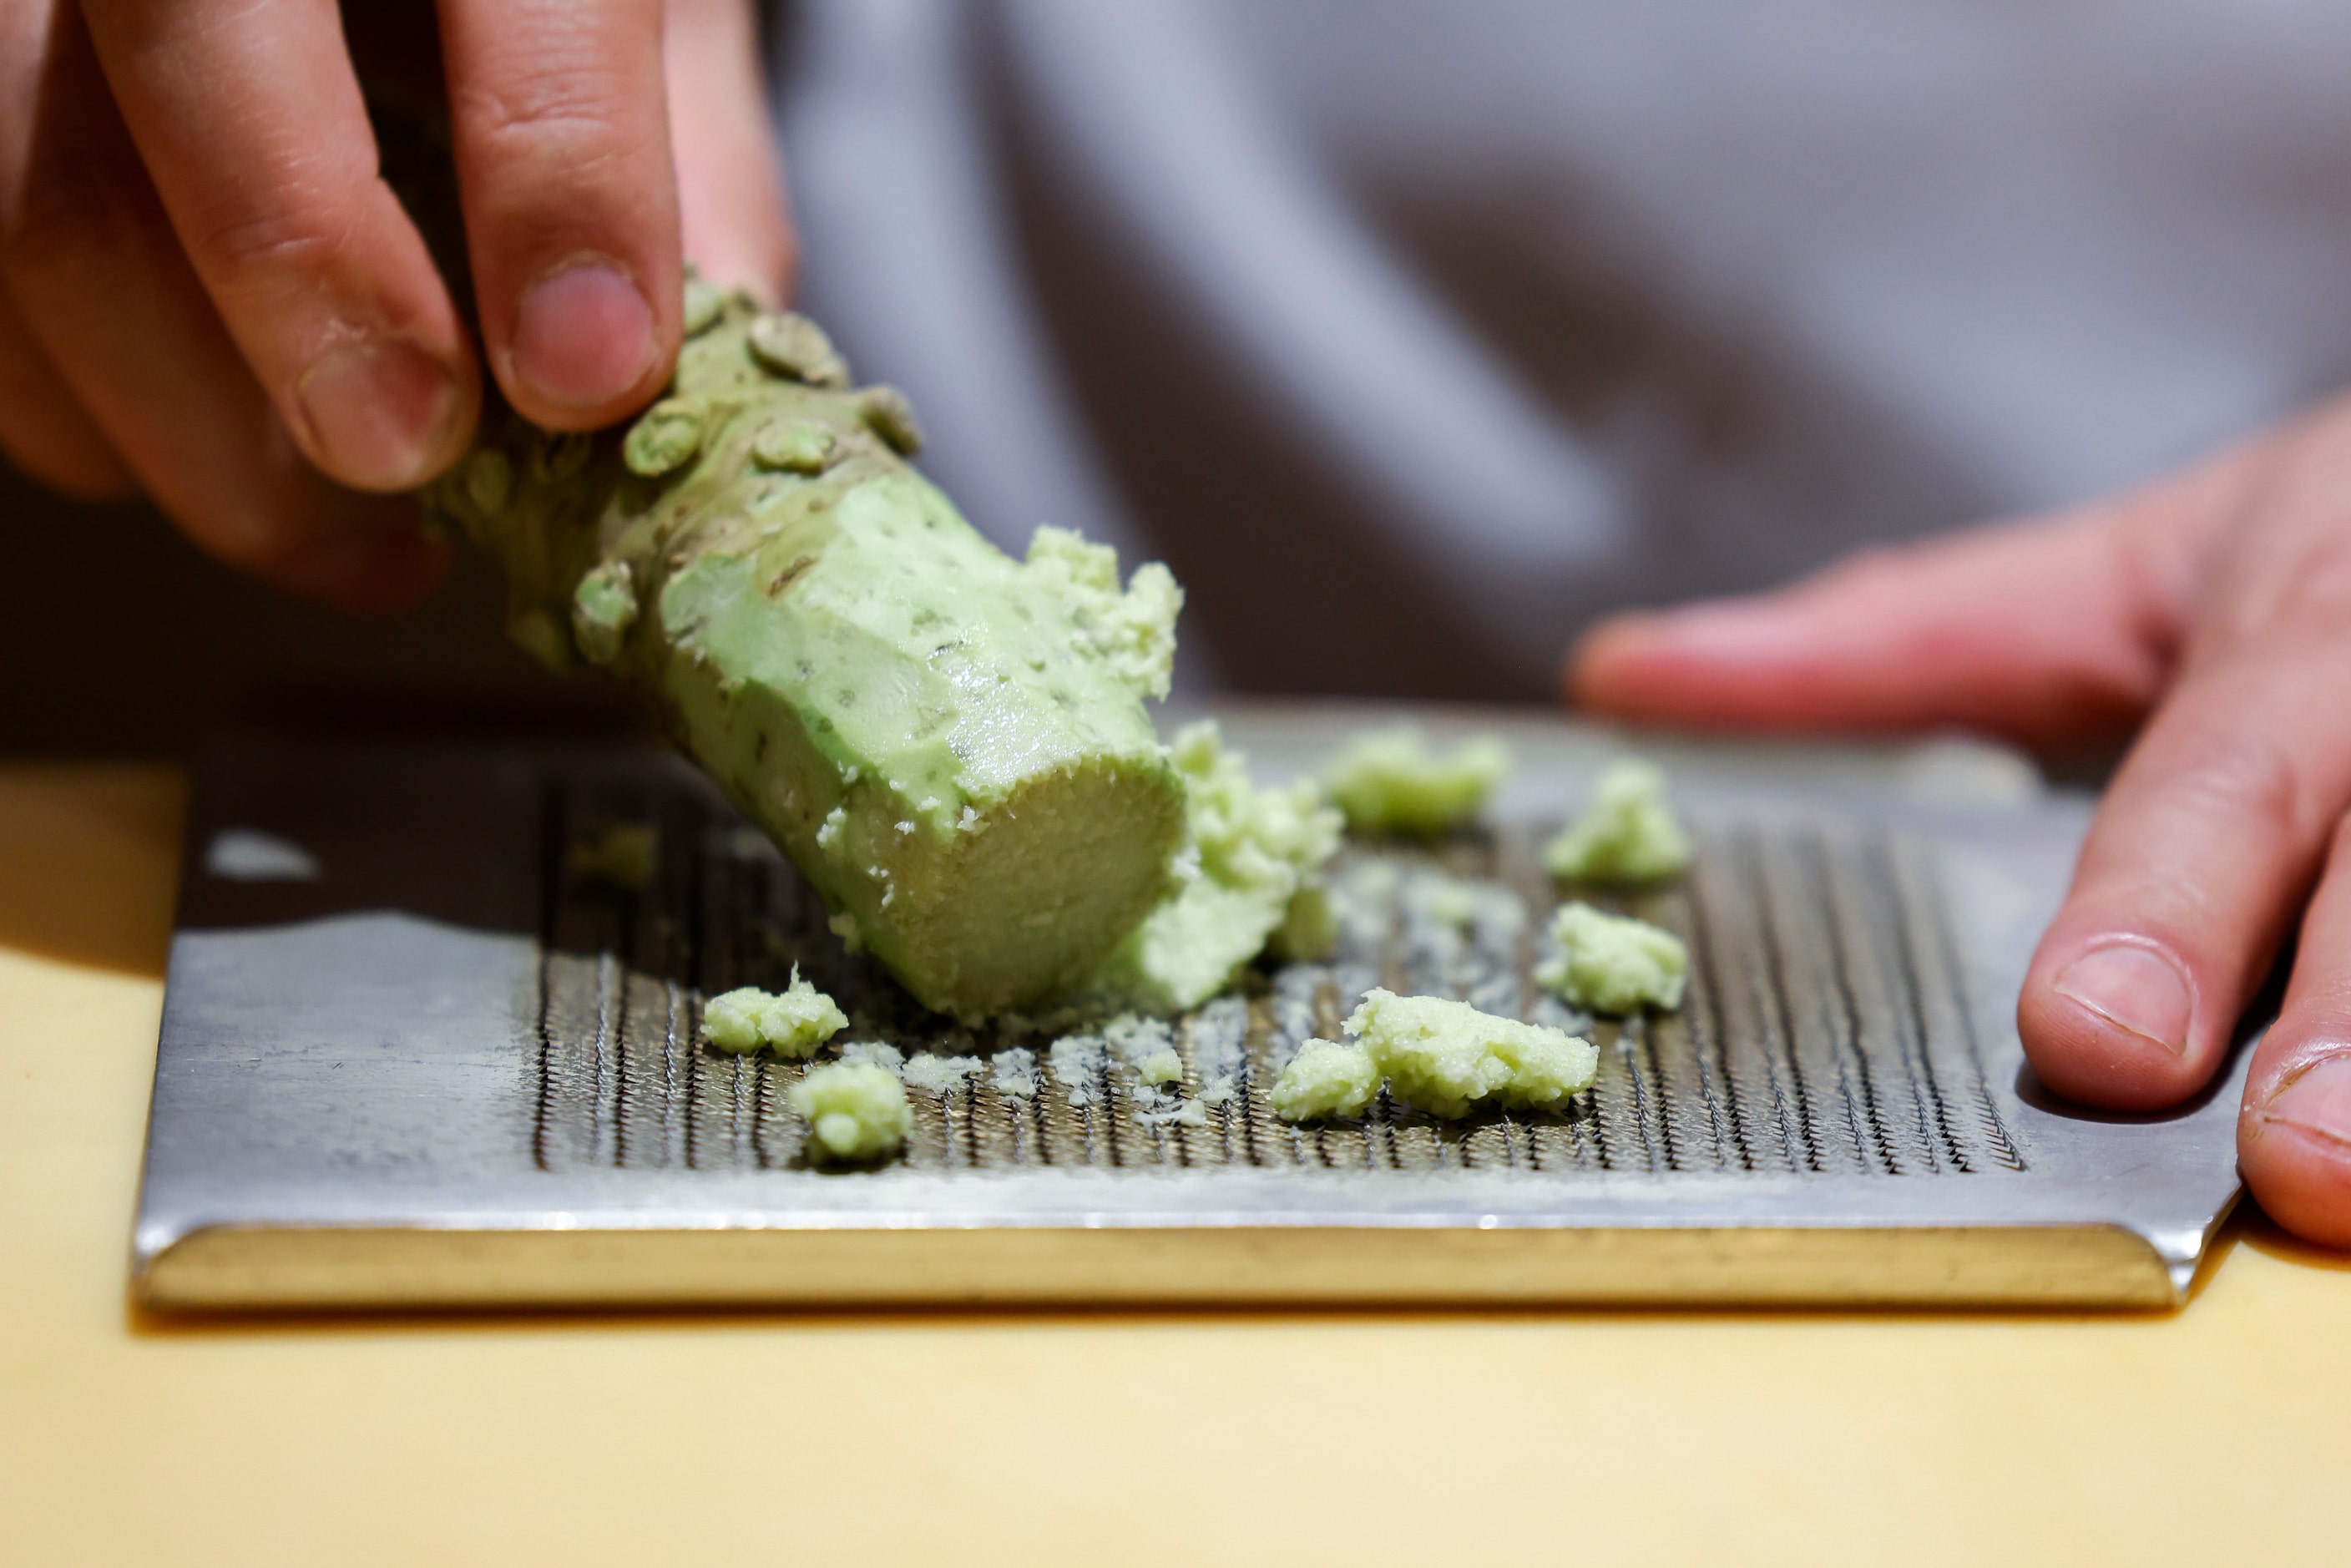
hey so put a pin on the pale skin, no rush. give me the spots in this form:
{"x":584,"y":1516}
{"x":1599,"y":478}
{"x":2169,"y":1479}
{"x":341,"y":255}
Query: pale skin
{"x":207,"y":296}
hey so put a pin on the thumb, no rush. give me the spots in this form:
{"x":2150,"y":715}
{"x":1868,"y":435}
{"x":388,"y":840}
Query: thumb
{"x":2054,"y":631}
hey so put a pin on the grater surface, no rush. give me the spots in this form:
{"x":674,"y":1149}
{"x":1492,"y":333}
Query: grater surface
{"x":439,"y":1065}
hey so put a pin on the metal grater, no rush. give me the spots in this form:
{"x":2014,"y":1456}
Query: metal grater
{"x":410,"y":1055}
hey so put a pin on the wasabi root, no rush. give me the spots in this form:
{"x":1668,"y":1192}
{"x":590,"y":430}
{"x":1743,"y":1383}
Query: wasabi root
{"x":1249,"y":852}
{"x":792,"y":1024}
{"x":1326,"y":1077}
{"x":950,"y":745}
{"x":1613,"y":963}
{"x":1446,"y":1057}
{"x":1627,"y":835}
{"x":856,"y":1112}
{"x":1393,"y":781}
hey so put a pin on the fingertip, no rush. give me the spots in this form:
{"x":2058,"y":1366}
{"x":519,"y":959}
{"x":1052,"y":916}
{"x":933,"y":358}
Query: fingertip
{"x":2294,"y":1145}
{"x":2112,"y":1023}
{"x":1604,"y":660}
{"x":586,"y":345}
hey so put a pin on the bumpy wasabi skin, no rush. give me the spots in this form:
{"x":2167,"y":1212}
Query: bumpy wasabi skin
{"x":1326,"y":1077}
{"x":1393,"y":781}
{"x":949,"y":744}
{"x":1250,"y":852}
{"x":1628,"y":833}
{"x":1613,"y":963}
{"x":856,"y":1110}
{"x":792,"y":1024}
{"x":1446,"y":1056}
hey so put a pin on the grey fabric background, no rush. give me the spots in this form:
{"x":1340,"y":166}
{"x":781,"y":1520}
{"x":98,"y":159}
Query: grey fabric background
{"x":1414,"y":334}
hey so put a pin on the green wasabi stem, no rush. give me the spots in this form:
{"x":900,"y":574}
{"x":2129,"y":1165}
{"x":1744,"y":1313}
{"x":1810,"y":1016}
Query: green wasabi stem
{"x":1613,"y":963}
{"x":1446,"y":1057}
{"x":950,"y":745}
{"x":1248,"y":853}
{"x":856,"y":1112}
{"x":1628,"y":833}
{"x":1326,"y":1077}
{"x":792,"y":1024}
{"x":1391,"y":781}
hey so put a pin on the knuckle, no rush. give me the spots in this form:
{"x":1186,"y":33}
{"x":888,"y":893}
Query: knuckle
{"x":555,"y":102}
{"x":293,"y":227}
{"x":2246,"y":775}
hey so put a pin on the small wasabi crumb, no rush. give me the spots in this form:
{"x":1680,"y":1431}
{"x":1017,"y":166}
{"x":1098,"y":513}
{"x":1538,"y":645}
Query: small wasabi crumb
{"x":938,"y":1074}
{"x":1391,"y":781}
{"x":624,"y":855}
{"x":1219,"y":1090}
{"x":791,"y":1025}
{"x":1446,"y":1056}
{"x":1013,"y":1073}
{"x":1308,"y":932}
{"x":1182,"y":1113}
{"x":1613,"y":963}
{"x":856,"y":1111}
{"x":1162,"y":1066}
{"x":1326,"y":1077}
{"x":844,"y":926}
{"x":1627,"y":835}
{"x":1447,"y":901}
{"x":874,"y":1052}
{"x":1077,"y":1063}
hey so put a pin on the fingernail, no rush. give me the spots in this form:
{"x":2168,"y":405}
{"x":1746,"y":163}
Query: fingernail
{"x":2317,"y":1100}
{"x":2135,"y":986}
{"x":583,"y":335}
{"x":378,"y":411}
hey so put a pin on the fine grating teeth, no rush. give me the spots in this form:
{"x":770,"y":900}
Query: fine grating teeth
{"x":1825,"y":1030}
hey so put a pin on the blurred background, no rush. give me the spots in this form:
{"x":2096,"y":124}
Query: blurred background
{"x":1416,"y":337}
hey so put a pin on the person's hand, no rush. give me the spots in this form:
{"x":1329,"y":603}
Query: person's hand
{"x":2216,"y":606}
{"x":208,"y":295}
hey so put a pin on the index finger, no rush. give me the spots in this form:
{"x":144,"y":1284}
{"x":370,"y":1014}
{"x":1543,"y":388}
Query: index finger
{"x":250,"y":122}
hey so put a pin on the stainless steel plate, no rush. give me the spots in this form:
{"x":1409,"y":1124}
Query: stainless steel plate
{"x":411,"y":1054}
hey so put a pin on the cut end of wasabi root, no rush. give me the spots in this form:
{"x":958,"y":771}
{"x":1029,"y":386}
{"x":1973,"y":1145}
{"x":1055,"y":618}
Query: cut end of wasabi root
{"x":792,"y":1023}
{"x":1249,"y":853}
{"x":1326,"y":1077}
{"x":856,"y":1112}
{"x":1627,"y":835}
{"x":1394,"y":781}
{"x":950,"y":745}
{"x":1446,"y":1057}
{"x":1613,"y":963}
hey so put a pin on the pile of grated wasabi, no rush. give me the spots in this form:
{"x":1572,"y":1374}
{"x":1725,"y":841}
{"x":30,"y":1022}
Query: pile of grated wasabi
{"x":791,"y":1024}
{"x":1446,"y":1057}
{"x":1628,"y":833}
{"x":856,"y":1110}
{"x":1326,"y":1077}
{"x":1393,"y":781}
{"x":1613,"y":963}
